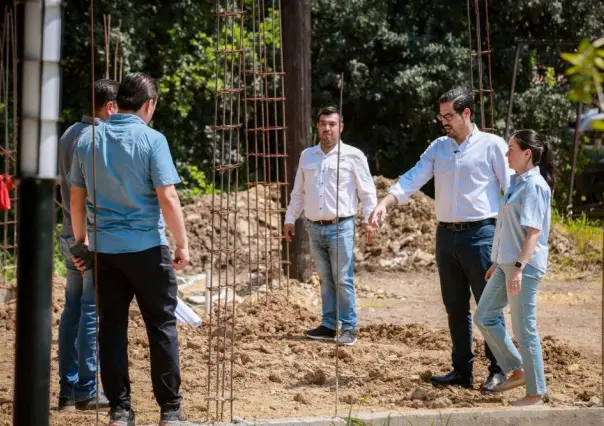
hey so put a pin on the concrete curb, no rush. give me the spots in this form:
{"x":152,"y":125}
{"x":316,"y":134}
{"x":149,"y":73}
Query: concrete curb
{"x":541,"y":416}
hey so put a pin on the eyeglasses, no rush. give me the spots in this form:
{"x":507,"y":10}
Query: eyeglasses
{"x":446,"y":117}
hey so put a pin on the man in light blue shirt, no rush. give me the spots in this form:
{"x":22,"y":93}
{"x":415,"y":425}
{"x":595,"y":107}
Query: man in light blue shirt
{"x":77,"y":329}
{"x":470,"y":172}
{"x":134,"y":188}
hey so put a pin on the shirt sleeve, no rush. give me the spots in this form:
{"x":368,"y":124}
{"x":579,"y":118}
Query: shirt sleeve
{"x":365,"y":186}
{"x":163,"y":171}
{"x":500,"y":165}
{"x":416,"y":177}
{"x":296,"y":202}
{"x":75,"y":177}
{"x":534,"y":207}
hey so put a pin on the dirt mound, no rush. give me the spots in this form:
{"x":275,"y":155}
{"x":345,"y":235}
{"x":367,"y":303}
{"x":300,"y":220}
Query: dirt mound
{"x":277,"y":373}
{"x":8,"y":311}
{"x":405,"y":242}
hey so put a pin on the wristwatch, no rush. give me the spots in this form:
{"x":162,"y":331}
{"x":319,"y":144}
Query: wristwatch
{"x":518,"y":265}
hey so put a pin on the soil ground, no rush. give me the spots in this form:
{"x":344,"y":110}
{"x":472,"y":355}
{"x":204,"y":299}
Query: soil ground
{"x":403,"y":339}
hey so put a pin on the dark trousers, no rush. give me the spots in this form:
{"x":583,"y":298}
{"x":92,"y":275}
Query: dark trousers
{"x":149,"y":276}
{"x":463,"y":258}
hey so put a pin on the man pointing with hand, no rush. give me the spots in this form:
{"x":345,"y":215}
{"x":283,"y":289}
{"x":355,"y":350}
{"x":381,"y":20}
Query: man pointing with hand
{"x":316,"y":194}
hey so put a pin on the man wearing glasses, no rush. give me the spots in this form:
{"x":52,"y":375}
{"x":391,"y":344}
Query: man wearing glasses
{"x":470,"y":171}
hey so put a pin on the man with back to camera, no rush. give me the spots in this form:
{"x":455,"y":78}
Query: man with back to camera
{"x":470,"y":171}
{"x":135,"y":178}
{"x":315,"y":193}
{"x":77,"y":328}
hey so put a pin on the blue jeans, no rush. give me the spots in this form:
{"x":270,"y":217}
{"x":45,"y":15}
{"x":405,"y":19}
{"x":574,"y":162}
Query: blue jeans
{"x":524,"y":324}
{"x":323,"y":243}
{"x":77,"y":333}
{"x":463,"y":258}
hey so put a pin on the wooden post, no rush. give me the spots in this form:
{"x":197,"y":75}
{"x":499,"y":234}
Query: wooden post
{"x":296,"y":21}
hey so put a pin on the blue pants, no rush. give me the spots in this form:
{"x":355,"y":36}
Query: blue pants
{"x":463,"y":258}
{"x":77,"y":333}
{"x":323,"y":243}
{"x":524,"y":324}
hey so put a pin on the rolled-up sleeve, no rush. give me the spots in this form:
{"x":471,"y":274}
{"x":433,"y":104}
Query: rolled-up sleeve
{"x":296,"y":202}
{"x":534,"y":207}
{"x":416,"y":177}
{"x":500,"y":165}
{"x":163,"y":171}
{"x":365,"y":186}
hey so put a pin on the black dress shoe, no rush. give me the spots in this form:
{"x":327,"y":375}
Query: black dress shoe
{"x":453,"y":378}
{"x":494,"y":381}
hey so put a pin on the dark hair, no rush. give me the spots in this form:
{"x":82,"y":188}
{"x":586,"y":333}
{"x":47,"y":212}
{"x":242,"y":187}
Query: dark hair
{"x":461,"y":99}
{"x":330,"y":110}
{"x":540,"y":151}
{"x":105,"y":90}
{"x":136,"y":89}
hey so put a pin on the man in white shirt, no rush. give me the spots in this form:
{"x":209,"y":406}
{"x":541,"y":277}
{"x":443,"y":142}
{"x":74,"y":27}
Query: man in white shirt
{"x":315,"y":193}
{"x":470,"y":171}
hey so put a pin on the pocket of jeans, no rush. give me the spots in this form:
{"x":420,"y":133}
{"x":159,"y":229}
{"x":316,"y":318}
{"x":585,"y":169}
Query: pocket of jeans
{"x":485,"y":231}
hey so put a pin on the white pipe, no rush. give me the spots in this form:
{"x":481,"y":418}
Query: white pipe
{"x":41,"y":84}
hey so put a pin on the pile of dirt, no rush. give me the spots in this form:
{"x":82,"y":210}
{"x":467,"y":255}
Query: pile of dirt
{"x":405,"y":242}
{"x":277,"y":373}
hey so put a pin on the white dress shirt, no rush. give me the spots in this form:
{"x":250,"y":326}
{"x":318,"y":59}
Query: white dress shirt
{"x":314,"y":191}
{"x":468,"y":178}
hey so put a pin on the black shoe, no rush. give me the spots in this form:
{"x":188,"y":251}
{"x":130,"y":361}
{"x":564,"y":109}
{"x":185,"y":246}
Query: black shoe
{"x":90,"y":403}
{"x":321,"y":333}
{"x":494,"y":381}
{"x":118,"y":416}
{"x":453,"y":378}
{"x":169,"y":418}
{"x":66,"y":404}
{"x":348,"y":337}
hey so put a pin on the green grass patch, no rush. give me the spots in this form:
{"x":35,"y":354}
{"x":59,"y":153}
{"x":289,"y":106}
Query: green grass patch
{"x":586,"y":234}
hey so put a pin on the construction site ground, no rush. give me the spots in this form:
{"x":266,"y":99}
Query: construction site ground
{"x":403,"y":335}
{"x":402,"y":340}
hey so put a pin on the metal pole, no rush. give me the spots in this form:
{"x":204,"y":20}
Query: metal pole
{"x":512,"y":91}
{"x":573,"y":167}
{"x":34,"y":302}
{"x":39,"y":41}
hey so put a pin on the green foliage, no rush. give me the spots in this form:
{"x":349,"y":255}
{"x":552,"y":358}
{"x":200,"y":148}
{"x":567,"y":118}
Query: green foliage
{"x":585,"y":233}
{"x":397,"y":58}
{"x":58,"y":259}
{"x":586,"y":72}
{"x":193,"y":184}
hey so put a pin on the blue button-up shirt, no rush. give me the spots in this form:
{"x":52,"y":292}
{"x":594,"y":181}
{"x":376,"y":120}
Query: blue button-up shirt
{"x":132,"y":160}
{"x":527,"y":203}
{"x":468,"y":178}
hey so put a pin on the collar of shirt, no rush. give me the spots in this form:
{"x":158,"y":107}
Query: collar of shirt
{"x":471,"y":137}
{"x":526,"y":175}
{"x":86,"y":119}
{"x":516,"y":179}
{"x":120,"y":118}
{"x":319,"y":151}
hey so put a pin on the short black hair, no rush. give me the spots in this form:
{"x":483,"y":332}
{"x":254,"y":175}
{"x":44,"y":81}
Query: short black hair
{"x":460,"y":97}
{"x":136,"y":89}
{"x":105,"y":90}
{"x":330,"y":110}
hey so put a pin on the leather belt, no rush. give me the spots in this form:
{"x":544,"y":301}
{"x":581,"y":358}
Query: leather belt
{"x":330,"y":222}
{"x":464,"y":226}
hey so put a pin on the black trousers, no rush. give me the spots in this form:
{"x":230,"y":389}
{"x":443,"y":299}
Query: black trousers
{"x":149,"y":276}
{"x":463,"y":258}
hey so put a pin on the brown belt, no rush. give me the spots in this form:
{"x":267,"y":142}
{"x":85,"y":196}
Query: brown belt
{"x":332,"y":221}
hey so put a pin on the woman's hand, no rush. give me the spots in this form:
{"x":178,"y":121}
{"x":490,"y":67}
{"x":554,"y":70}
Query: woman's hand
{"x":515,"y":282}
{"x":490,"y":272}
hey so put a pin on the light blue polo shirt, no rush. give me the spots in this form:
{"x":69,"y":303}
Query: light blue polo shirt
{"x":527,"y":203}
{"x":132,"y":160}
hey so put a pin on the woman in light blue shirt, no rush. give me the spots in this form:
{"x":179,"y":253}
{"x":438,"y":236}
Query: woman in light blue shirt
{"x":519,"y":257}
